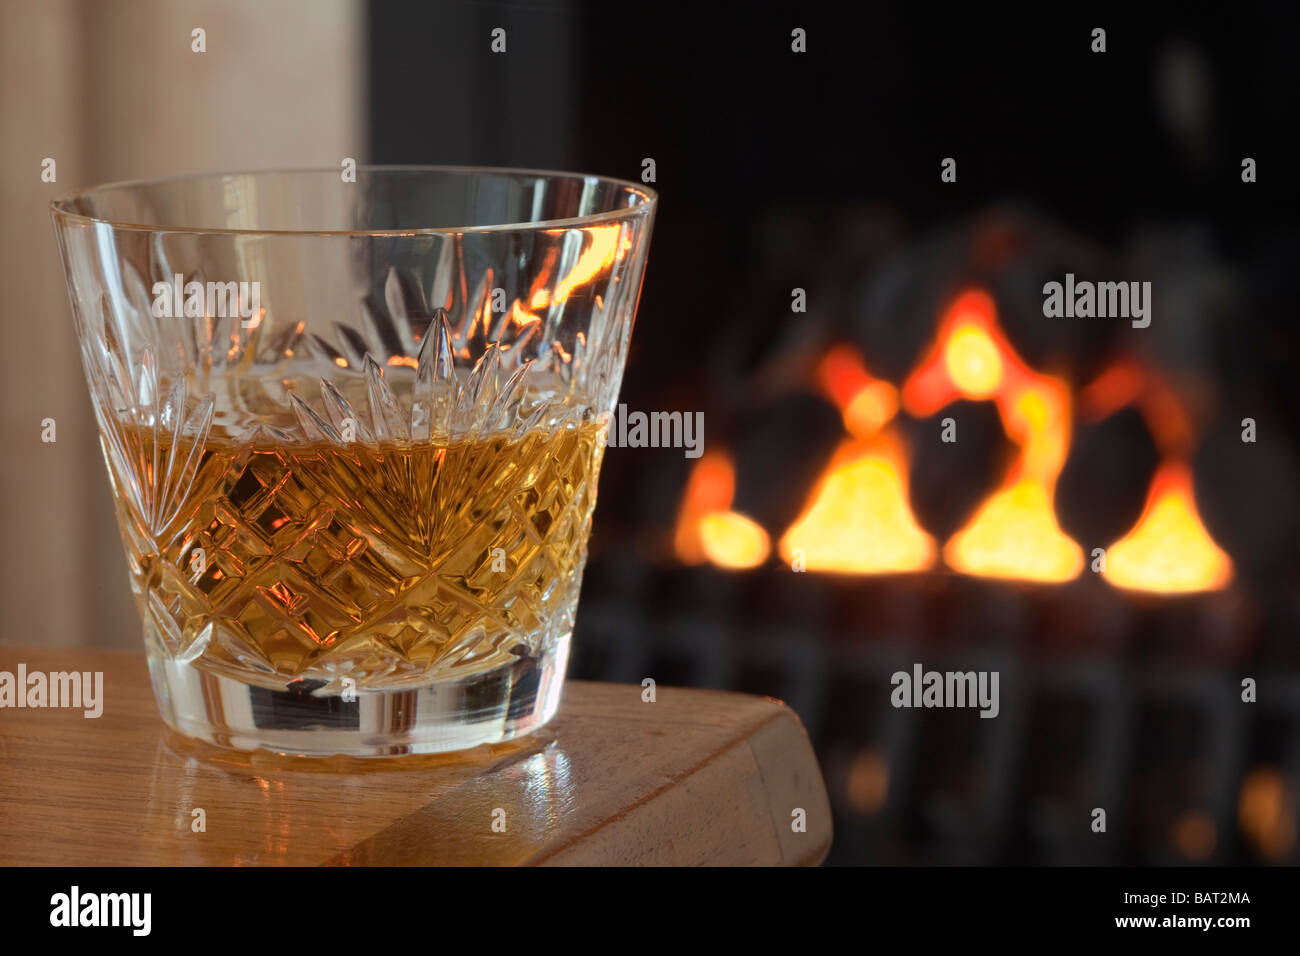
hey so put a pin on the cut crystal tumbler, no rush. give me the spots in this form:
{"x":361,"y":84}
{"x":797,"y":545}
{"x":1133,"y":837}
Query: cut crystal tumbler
{"x":353,"y":431}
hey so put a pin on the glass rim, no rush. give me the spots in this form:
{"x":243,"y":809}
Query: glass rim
{"x":60,"y":205}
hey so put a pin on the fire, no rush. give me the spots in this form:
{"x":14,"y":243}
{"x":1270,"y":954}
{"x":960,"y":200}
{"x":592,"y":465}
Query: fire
{"x":1015,"y":533}
{"x":858,"y":520}
{"x":1128,"y":383}
{"x":972,"y":361}
{"x":867,"y":403}
{"x":1168,"y":551}
{"x":597,"y":257}
{"x":604,"y":248}
{"x":707,"y":528}
{"x":731,"y":540}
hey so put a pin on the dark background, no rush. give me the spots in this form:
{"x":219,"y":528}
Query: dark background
{"x":821,"y":170}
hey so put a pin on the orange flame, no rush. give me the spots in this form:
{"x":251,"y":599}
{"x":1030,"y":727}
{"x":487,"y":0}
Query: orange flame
{"x":866,"y":403}
{"x":598,"y":256}
{"x":1168,"y":551}
{"x":707,"y":528}
{"x":1266,"y":812}
{"x":1128,"y":383}
{"x":1014,"y":534}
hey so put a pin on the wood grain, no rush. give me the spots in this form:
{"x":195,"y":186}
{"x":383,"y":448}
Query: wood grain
{"x":695,"y":778}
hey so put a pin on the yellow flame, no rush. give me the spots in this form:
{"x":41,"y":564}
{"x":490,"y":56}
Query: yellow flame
{"x":1038,"y":417}
{"x":1015,"y":535}
{"x":1168,"y":551}
{"x":973,"y":361}
{"x":707,"y":528}
{"x":858,"y":520}
{"x":731,"y":540}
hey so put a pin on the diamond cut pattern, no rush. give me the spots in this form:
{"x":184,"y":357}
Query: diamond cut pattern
{"x":216,"y":436}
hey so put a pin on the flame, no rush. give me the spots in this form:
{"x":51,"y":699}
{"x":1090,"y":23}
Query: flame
{"x":598,"y":256}
{"x":867,"y":403}
{"x":972,"y":360}
{"x":521,"y":317}
{"x":858,"y":520}
{"x":1128,"y":383}
{"x":707,"y":528}
{"x":539,"y":296}
{"x":1266,"y":812}
{"x":730,"y":540}
{"x":1168,"y":551}
{"x":1014,"y":534}
{"x":1119,"y":386}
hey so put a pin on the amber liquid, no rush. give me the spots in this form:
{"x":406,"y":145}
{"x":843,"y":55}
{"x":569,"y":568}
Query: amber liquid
{"x":388,"y":565}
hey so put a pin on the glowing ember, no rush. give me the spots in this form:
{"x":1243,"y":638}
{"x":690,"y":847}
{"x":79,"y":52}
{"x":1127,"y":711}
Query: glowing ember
{"x":867,"y":784}
{"x":1015,"y":533}
{"x":1195,"y":835}
{"x":1168,"y":551}
{"x":707,"y":528}
{"x":1266,"y":813}
{"x":858,"y":520}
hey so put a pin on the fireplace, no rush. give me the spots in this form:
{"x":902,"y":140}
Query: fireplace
{"x":924,"y":470}
{"x":824,"y":428}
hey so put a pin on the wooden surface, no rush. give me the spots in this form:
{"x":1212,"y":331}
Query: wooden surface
{"x":697,"y":777}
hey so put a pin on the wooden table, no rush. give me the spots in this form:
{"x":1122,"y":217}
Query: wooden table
{"x":697,"y":777}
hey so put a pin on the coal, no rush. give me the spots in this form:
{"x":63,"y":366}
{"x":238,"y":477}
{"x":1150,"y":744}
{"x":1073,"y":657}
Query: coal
{"x":780,"y":448}
{"x":1246,"y":493}
{"x":949,"y":479}
{"x":1102,"y":491}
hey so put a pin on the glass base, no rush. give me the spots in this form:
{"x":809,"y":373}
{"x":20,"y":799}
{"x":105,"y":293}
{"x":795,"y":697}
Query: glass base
{"x":449,"y":715}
